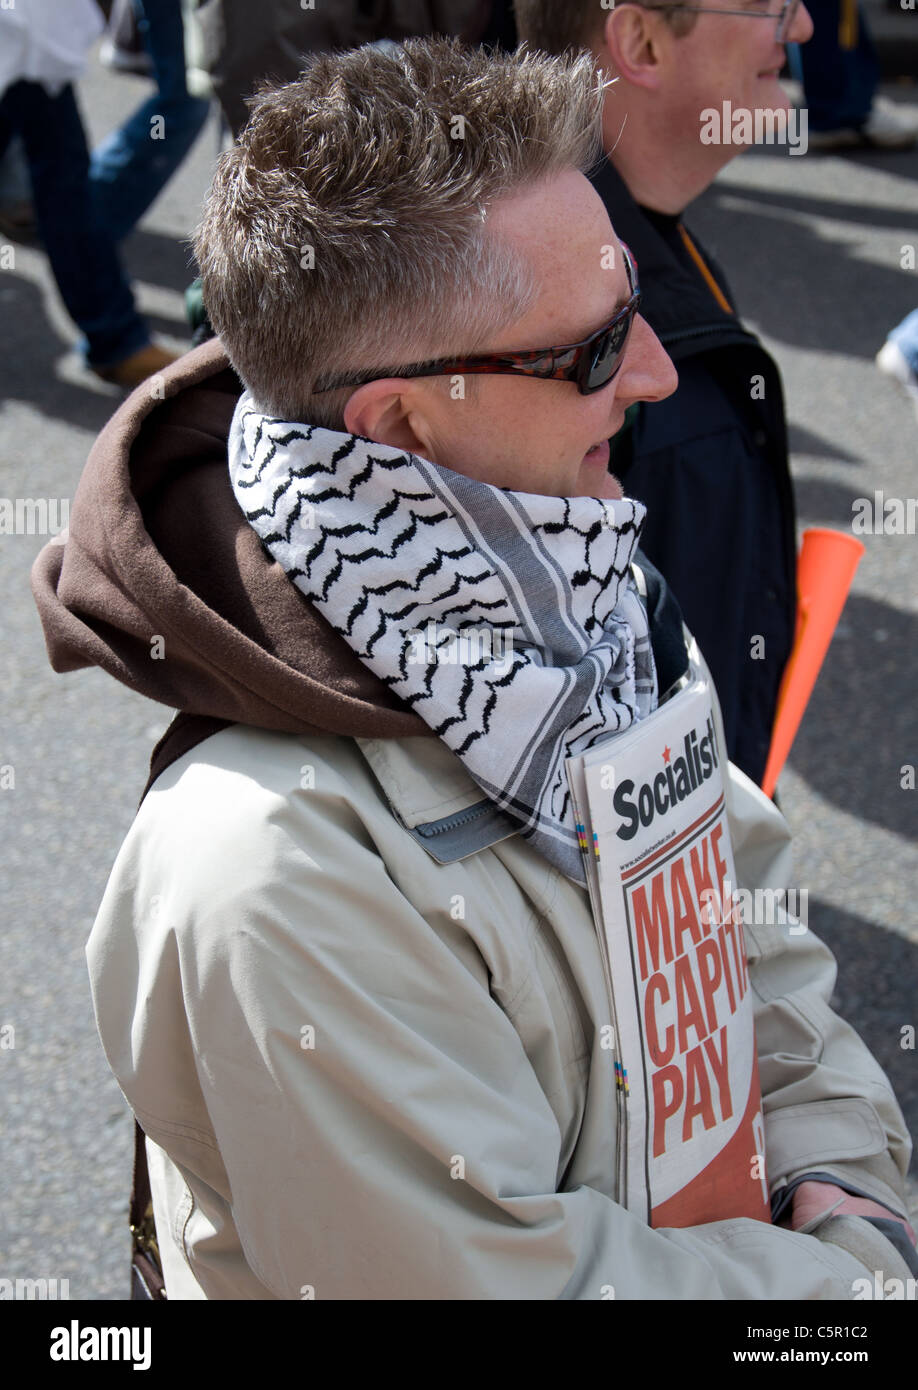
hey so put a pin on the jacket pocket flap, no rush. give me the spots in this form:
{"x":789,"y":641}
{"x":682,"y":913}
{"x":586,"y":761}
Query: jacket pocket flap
{"x":800,"y":1136}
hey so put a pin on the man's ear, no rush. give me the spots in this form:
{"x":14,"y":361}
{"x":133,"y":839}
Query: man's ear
{"x":389,"y":411}
{"x":634,"y":42}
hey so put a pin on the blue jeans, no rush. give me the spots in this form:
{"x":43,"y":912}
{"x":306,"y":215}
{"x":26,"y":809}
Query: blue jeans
{"x":838,"y":84}
{"x":905,"y":337}
{"x":82,"y":255}
{"x":130,"y":167}
{"x":14,"y":174}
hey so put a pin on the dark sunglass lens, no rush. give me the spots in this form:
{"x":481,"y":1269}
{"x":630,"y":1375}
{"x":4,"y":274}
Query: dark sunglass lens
{"x":606,"y":357}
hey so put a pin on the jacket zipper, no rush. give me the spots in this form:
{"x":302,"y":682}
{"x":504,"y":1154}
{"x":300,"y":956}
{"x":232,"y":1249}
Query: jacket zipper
{"x":682,"y":335}
{"x":440,"y":827}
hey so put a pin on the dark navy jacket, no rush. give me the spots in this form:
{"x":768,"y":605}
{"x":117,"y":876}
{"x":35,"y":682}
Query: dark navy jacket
{"x":711,"y":464}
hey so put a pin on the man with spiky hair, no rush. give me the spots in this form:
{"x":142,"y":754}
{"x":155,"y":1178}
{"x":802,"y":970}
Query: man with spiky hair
{"x":346,"y":970}
{"x":710,"y":462}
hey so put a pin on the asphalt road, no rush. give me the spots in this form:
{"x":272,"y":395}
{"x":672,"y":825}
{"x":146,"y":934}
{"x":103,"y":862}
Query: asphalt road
{"x":813,"y":246}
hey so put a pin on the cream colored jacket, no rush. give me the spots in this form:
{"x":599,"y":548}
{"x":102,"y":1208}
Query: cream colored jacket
{"x":360,"y":1021}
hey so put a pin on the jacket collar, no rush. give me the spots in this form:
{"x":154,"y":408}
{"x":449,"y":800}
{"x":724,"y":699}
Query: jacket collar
{"x":432,"y":795}
{"x":674,"y":298}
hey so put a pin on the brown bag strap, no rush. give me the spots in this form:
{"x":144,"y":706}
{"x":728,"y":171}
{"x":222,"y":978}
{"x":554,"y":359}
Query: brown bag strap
{"x":183,"y":734}
{"x":147,"y":1280}
{"x":141,"y":1197}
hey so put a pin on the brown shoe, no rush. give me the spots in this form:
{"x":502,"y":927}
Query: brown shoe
{"x":131,"y":371}
{"x":17,"y":220}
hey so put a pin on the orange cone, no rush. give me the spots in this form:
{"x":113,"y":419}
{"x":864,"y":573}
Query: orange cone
{"x":825,"y":570}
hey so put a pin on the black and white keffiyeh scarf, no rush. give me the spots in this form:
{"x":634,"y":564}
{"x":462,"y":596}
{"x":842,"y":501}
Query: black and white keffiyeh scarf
{"x":510,"y":621}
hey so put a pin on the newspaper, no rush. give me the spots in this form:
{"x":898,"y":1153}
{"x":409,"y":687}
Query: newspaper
{"x":653,"y":829}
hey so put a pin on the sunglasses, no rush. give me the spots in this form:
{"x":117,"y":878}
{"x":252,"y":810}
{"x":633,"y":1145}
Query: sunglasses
{"x":591,"y":364}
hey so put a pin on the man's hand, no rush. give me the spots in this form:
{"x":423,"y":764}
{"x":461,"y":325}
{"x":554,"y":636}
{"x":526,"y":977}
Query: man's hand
{"x":813,"y":1198}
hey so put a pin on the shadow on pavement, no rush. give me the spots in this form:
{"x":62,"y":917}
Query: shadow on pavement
{"x":862,"y":214}
{"x":159,"y":260}
{"x":30,"y":373}
{"x":821,"y":502}
{"x":804,"y":441}
{"x":859,"y":729}
{"x":793,"y":282}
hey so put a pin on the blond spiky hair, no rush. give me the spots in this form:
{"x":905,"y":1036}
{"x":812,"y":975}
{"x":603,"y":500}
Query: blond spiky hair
{"x":347,"y":228}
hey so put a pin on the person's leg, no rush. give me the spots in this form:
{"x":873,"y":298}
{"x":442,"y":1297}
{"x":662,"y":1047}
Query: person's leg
{"x":131,"y":166}
{"x":14,"y":173}
{"x":122,"y":47}
{"x":839,"y":84}
{"x":8,"y":132}
{"x":82,"y":255}
{"x":17,"y":215}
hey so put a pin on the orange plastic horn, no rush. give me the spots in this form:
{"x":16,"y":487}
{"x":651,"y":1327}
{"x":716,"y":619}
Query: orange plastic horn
{"x":825,"y":569}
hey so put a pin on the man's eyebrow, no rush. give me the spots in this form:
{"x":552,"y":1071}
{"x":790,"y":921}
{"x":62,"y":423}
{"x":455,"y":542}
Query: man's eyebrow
{"x":580,"y":337}
{"x":618,"y":306}
{"x":601,"y":323}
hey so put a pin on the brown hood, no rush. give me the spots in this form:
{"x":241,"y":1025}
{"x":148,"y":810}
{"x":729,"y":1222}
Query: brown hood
{"x":158,"y":547}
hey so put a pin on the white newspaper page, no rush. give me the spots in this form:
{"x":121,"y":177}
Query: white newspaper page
{"x":660,"y":864}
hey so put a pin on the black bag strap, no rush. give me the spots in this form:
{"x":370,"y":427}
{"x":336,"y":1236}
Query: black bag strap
{"x":147,"y":1282}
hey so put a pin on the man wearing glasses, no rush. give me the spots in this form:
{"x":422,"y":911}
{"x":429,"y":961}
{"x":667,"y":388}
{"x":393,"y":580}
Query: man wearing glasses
{"x":710,"y":462}
{"x":346,"y":970}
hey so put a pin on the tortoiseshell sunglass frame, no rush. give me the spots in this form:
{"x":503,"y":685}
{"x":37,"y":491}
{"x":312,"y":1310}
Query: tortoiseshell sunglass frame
{"x":577,"y":362}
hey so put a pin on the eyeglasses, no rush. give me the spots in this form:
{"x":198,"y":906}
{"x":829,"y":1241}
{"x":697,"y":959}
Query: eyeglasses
{"x":785,"y":15}
{"x":591,"y":363}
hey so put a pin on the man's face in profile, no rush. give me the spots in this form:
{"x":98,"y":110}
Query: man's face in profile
{"x":536,"y":435}
{"x":730,"y":57}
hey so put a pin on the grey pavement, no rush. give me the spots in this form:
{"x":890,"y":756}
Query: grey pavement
{"x":814,"y":249}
